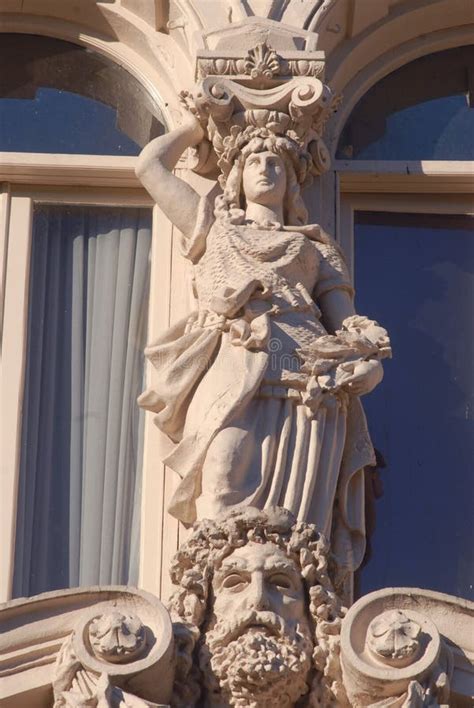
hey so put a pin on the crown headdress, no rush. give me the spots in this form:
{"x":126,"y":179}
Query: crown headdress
{"x":236,"y":117}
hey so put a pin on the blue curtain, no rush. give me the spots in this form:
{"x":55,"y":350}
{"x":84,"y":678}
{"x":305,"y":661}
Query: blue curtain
{"x":80,"y":476}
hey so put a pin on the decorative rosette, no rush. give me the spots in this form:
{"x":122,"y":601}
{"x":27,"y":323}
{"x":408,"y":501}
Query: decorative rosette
{"x":393,"y":637}
{"x":117,"y":637}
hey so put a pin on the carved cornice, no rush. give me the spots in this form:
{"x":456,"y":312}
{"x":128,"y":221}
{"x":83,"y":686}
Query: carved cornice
{"x":261,"y":66}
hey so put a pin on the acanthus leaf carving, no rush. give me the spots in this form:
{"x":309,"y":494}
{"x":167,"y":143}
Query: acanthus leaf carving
{"x":120,"y":654}
{"x":76,"y":686}
{"x":262,"y":61}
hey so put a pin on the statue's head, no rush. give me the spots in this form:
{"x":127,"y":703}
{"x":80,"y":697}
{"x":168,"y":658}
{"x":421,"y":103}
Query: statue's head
{"x":257,"y":617}
{"x":241,"y":127}
{"x":264,"y":178}
{"x":265,"y":168}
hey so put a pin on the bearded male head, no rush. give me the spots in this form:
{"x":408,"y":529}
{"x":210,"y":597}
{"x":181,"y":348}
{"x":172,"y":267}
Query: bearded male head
{"x":256,"y":617}
{"x":257,"y":647}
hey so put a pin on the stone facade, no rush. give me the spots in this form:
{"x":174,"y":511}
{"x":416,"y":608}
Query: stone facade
{"x":254,"y":620}
{"x":273,"y":357}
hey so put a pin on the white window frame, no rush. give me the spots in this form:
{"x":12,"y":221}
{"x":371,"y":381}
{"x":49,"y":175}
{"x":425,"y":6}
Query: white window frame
{"x":26,"y":180}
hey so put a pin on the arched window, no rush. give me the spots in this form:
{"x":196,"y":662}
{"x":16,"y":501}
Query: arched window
{"x":57,"y":97}
{"x":413,"y":259}
{"x":76,"y":311}
{"x":422,"y":111}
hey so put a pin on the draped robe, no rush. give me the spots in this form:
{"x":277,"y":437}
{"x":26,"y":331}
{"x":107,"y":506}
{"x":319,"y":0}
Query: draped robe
{"x":231,"y":395}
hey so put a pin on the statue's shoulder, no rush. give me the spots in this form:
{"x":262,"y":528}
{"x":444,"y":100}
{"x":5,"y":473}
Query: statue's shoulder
{"x":326,"y":244}
{"x":316,"y":234}
{"x":333,"y":271}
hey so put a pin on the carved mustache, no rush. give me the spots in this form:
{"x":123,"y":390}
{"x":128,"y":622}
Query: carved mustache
{"x":253,"y":618}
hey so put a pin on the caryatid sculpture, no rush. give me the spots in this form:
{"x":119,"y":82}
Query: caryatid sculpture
{"x":258,"y":387}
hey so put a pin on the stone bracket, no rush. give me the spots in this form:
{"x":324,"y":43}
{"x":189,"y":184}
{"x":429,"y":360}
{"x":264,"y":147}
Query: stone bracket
{"x":408,"y":647}
{"x":93,"y":646}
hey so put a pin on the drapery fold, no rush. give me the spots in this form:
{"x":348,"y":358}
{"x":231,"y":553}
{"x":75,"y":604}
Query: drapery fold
{"x":79,"y":488}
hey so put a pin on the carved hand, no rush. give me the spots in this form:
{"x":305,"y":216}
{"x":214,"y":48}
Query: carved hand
{"x":365,"y":377}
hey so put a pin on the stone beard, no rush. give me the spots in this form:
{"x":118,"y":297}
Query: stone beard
{"x":256,"y":618}
{"x":256,"y":660}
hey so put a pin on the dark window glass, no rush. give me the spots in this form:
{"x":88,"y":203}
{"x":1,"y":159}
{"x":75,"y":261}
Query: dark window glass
{"x":423,"y":111}
{"x":415,"y":275}
{"x":57,"y":97}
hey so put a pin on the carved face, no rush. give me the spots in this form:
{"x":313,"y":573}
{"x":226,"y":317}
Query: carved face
{"x":264,"y":178}
{"x":258,"y":647}
{"x":259,"y":577}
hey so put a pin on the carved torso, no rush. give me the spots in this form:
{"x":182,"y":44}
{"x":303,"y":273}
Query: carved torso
{"x":234,"y":374}
{"x":250,"y":270}
{"x":283,"y":261}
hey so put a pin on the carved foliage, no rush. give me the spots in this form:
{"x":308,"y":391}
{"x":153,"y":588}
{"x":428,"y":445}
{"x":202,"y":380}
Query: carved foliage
{"x":233,"y":114}
{"x":116,"y":656}
{"x":114,"y":637}
{"x":262,"y":61}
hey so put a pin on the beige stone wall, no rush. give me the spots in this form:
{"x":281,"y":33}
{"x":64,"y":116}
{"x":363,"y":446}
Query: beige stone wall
{"x":159,"y":42}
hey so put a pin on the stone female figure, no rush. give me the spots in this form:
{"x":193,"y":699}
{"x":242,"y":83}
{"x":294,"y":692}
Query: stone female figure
{"x":259,"y":398}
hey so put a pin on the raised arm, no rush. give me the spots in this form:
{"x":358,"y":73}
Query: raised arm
{"x":157,"y":160}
